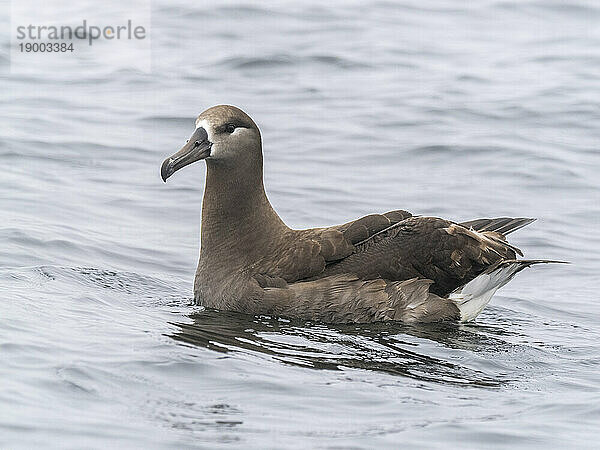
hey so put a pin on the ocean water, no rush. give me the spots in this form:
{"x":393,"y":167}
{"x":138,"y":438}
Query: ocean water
{"x":453,"y":109}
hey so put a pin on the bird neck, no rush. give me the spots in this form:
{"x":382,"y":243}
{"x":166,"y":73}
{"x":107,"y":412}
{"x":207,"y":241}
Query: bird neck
{"x":237,"y":217}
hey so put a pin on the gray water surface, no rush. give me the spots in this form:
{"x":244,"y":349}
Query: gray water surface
{"x":442,"y":108}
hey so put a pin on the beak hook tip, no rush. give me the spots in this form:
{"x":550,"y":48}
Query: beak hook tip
{"x":166,"y":169}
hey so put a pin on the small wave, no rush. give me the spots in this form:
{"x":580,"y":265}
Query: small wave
{"x":245,"y":62}
{"x":147,"y":290}
{"x":559,"y":7}
{"x":169,"y":120}
{"x":456,"y":151}
{"x":278,"y":61}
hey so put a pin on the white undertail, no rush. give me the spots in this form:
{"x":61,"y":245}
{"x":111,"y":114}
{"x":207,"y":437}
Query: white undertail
{"x":472,"y":297}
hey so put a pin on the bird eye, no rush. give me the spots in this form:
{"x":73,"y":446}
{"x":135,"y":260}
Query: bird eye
{"x":230,"y":128}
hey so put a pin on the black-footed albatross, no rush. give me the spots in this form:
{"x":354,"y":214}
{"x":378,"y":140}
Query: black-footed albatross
{"x":381,"y":267}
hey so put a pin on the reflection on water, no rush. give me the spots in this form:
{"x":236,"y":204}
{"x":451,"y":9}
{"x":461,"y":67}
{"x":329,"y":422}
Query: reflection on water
{"x":391,"y":348}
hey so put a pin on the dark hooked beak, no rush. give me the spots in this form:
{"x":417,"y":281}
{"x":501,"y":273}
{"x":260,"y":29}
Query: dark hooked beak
{"x":195,"y":149}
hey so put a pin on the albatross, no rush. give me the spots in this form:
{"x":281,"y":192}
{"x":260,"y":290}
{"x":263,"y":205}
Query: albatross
{"x":382,"y":267}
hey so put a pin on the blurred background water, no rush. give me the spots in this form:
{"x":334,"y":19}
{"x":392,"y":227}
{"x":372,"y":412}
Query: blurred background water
{"x":453,"y":109}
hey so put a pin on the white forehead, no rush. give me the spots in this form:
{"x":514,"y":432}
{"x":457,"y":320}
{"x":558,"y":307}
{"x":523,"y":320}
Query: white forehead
{"x":206,"y":125}
{"x":202,"y":123}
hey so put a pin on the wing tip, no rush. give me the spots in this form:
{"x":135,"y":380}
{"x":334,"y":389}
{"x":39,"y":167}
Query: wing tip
{"x":502,"y":225}
{"x":535,"y":261}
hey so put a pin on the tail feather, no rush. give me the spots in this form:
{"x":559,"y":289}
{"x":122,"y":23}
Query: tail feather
{"x":472,"y":297}
{"x":502,"y":225}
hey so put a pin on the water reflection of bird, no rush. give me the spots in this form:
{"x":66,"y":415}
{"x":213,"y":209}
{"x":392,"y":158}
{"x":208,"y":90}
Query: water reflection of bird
{"x":385,"y":347}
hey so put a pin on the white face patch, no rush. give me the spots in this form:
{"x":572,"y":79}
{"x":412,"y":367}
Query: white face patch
{"x":218,"y":147}
{"x":206,"y":125}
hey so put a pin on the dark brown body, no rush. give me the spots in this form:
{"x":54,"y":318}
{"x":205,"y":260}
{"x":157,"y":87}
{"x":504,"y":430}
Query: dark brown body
{"x":390,"y":266}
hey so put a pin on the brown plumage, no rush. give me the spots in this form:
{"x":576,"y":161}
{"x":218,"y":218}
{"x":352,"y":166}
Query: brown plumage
{"x":392,"y":266}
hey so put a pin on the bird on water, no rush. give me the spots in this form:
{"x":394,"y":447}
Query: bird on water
{"x":381,"y":267}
